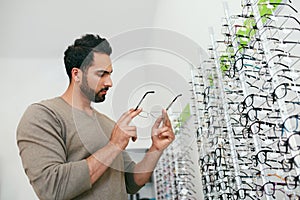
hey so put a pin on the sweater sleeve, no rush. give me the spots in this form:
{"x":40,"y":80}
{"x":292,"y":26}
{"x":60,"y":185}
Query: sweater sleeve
{"x":131,"y":186}
{"x":44,"y":156}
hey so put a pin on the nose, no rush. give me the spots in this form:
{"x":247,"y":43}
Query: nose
{"x":108,"y":82}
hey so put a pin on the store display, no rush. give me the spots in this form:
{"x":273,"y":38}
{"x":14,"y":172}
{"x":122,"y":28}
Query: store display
{"x":247,"y":105}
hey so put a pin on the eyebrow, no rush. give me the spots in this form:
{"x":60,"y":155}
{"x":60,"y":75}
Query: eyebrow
{"x":104,"y":71}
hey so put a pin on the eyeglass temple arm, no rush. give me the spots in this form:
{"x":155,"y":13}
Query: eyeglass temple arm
{"x":173,"y":102}
{"x":149,"y":92}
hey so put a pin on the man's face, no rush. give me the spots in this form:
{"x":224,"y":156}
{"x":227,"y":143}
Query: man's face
{"x":96,"y":79}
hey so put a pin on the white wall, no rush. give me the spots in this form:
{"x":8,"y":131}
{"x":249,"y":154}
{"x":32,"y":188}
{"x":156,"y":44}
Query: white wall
{"x":23,"y":81}
{"x":34,"y":34}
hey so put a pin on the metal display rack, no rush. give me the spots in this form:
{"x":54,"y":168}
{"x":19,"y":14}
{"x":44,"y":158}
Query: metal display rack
{"x":255,"y":74}
{"x":246,"y":103}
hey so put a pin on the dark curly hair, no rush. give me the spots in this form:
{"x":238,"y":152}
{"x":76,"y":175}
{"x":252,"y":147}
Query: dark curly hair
{"x":81,"y":53}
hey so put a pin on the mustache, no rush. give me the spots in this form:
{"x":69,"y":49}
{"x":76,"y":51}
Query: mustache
{"x":103,"y":89}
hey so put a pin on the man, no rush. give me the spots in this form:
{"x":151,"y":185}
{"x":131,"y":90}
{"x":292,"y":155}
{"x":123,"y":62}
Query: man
{"x":71,"y":151}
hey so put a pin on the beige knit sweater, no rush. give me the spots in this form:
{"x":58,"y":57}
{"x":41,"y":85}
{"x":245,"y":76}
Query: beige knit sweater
{"x":54,"y":139}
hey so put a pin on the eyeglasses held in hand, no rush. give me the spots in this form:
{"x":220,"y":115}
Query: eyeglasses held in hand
{"x":145,"y":114}
{"x":173,"y":102}
{"x":149,"y":92}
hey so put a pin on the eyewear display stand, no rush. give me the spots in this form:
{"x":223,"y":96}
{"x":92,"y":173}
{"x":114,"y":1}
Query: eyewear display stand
{"x":246,"y":109}
{"x":276,"y":82}
{"x":177,"y":175}
{"x":254,"y":72}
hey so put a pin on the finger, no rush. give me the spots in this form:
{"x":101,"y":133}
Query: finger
{"x":124,"y":116}
{"x":166,"y":134}
{"x":125,"y":128}
{"x":129,"y":128}
{"x":166,"y":120}
{"x":133,"y":139}
{"x":132,"y":134}
{"x":129,"y":115}
{"x":157,"y":122}
{"x":160,"y":130}
{"x":134,"y":113}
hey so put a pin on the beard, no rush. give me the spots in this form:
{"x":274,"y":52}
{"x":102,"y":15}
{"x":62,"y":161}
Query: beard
{"x":90,"y":93}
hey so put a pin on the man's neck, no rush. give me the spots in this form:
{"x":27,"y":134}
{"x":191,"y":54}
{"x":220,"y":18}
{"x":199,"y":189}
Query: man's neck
{"x":76,"y":99}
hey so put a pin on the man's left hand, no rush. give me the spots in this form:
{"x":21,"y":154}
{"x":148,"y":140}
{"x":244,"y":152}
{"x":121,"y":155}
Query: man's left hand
{"x":162,"y":132}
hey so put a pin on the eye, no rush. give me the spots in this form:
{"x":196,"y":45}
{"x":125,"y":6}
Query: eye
{"x":102,"y":74}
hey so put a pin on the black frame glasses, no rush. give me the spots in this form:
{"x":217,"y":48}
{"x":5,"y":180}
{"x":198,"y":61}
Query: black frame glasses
{"x":152,"y":92}
{"x":173,"y":101}
{"x":148,"y":92}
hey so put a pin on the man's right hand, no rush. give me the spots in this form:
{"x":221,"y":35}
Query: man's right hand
{"x":122,"y":131}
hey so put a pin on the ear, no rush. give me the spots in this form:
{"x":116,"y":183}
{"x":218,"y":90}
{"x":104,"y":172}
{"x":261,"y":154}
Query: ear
{"x":76,"y":73}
